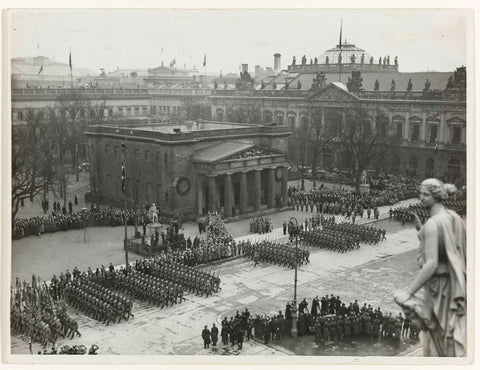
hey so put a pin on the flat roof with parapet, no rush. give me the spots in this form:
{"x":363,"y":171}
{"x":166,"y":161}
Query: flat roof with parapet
{"x":188,"y":131}
{"x":191,"y":126}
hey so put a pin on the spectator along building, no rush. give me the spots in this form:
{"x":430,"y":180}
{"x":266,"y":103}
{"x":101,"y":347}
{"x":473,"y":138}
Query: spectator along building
{"x":191,"y":168}
{"x":425,"y":110}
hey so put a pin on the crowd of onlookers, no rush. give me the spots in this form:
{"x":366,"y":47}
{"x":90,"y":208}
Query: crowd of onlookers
{"x":329,"y":319}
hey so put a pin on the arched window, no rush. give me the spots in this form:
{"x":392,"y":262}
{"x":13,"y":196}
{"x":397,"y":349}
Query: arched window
{"x":304,"y":120}
{"x":433,"y":125}
{"x":454,"y":168}
{"x":413,"y":163}
{"x":220,"y":114}
{"x":279,"y":117}
{"x":267,"y":116}
{"x":430,"y":167}
{"x":382,"y":126}
{"x":415,"y":124}
{"x":398,"y":122}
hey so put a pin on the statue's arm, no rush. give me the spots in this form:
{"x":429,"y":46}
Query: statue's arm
{"x":431,"y":258}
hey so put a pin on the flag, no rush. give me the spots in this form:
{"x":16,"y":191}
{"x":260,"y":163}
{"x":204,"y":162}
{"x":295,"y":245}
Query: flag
{"x":162,"y":50}
{"x":40,"y":70}
{"x":205,"y":60}
{"x":172,"y":63}
{"x":70,"y":60}
{"x":123,"y":178}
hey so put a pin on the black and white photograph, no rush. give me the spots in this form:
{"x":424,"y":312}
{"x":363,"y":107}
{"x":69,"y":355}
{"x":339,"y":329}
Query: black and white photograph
{"x":277,"y":185}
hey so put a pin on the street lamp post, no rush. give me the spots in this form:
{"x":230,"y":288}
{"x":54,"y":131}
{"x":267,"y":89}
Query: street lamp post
{"x":294,"y":307}
{"x":124,"y":179}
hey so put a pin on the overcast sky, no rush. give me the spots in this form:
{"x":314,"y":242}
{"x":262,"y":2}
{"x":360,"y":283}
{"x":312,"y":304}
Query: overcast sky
{"x":422,"y":39}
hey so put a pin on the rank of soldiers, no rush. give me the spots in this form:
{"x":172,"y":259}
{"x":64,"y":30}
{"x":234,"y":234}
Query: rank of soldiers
{"x":261,"y":225}
{"x":98,"y":302}
{"x":275,"y":253}
{"x":364,"y":233}
{"x":188,"y":278}
{"x":329,"y":239}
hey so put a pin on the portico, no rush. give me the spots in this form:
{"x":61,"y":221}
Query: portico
{"x":240,"y":178}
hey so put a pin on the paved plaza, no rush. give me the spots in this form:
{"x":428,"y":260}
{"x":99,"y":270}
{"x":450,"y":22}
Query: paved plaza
{"x":369,"y":274}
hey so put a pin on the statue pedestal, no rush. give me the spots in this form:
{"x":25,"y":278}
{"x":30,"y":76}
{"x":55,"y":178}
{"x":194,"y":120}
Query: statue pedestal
{"x":364,"y":188}
{"x":152,"y":227}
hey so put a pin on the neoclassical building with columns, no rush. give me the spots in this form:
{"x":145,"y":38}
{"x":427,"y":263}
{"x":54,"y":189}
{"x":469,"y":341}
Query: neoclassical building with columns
{"x":191,"y":168}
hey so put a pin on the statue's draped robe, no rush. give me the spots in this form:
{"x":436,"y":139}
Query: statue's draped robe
{"x":445,"y":293}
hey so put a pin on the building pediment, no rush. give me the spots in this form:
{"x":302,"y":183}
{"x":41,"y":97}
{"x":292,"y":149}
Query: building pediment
{"x":335,"y":91}
{"x":232,"y":151}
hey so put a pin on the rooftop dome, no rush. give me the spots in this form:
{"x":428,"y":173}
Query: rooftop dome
{"x":347,"y":51}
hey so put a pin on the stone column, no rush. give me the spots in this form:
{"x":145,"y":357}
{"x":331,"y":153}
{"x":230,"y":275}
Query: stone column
{"x":442,"y":128}
{"x":228,"y":195}
{"x":284,"y":186}
{"x":212,"y":193}
{"x":423,"y":128}
{"x":271,"y":188}
{"x":257,"y":190}
{"x":406,"y":129}
{"x":243,"y":192}
{"x":390,"y":128}
{"x":199,"y":194}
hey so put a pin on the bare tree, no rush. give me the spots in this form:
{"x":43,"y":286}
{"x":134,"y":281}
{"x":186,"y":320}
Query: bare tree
{"x":298,"y":149}
{"x":193,"y":108}
{"x":30,"y":166}
{"x":361,"y":142}
{"x":319,"y":136}
{"x":63,"y":118}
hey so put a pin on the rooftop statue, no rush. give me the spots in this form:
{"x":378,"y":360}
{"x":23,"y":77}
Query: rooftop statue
{"x":409,"y":85}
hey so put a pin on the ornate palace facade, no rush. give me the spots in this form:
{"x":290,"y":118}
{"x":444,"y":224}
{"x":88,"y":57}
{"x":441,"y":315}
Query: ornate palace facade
{"x":431,"y":126}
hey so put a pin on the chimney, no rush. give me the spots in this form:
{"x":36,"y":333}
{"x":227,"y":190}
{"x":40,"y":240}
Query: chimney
{"x":194,"y":78}
{"x":244,"y":67}
{"x":277,"y":64}
{"x":201,"y":78}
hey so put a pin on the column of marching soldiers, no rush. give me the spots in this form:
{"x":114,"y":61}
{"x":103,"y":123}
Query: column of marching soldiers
{"x":39,"y":310}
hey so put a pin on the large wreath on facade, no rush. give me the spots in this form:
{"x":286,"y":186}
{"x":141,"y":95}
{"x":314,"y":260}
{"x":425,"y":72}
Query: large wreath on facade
{"x":183,"y":186}
{"x":278,"y":174}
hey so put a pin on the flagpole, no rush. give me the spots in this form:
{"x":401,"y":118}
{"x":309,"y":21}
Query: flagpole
{"x":70,"y":62}
{"x":340,"y":45}
{"x":124,"y":148}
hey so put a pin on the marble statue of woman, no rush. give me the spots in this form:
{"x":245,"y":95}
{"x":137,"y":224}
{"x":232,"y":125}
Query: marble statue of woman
{"x":441,"y":312}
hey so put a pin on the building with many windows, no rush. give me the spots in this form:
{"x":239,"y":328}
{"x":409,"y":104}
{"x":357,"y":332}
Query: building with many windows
{"x":428,"y":118}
